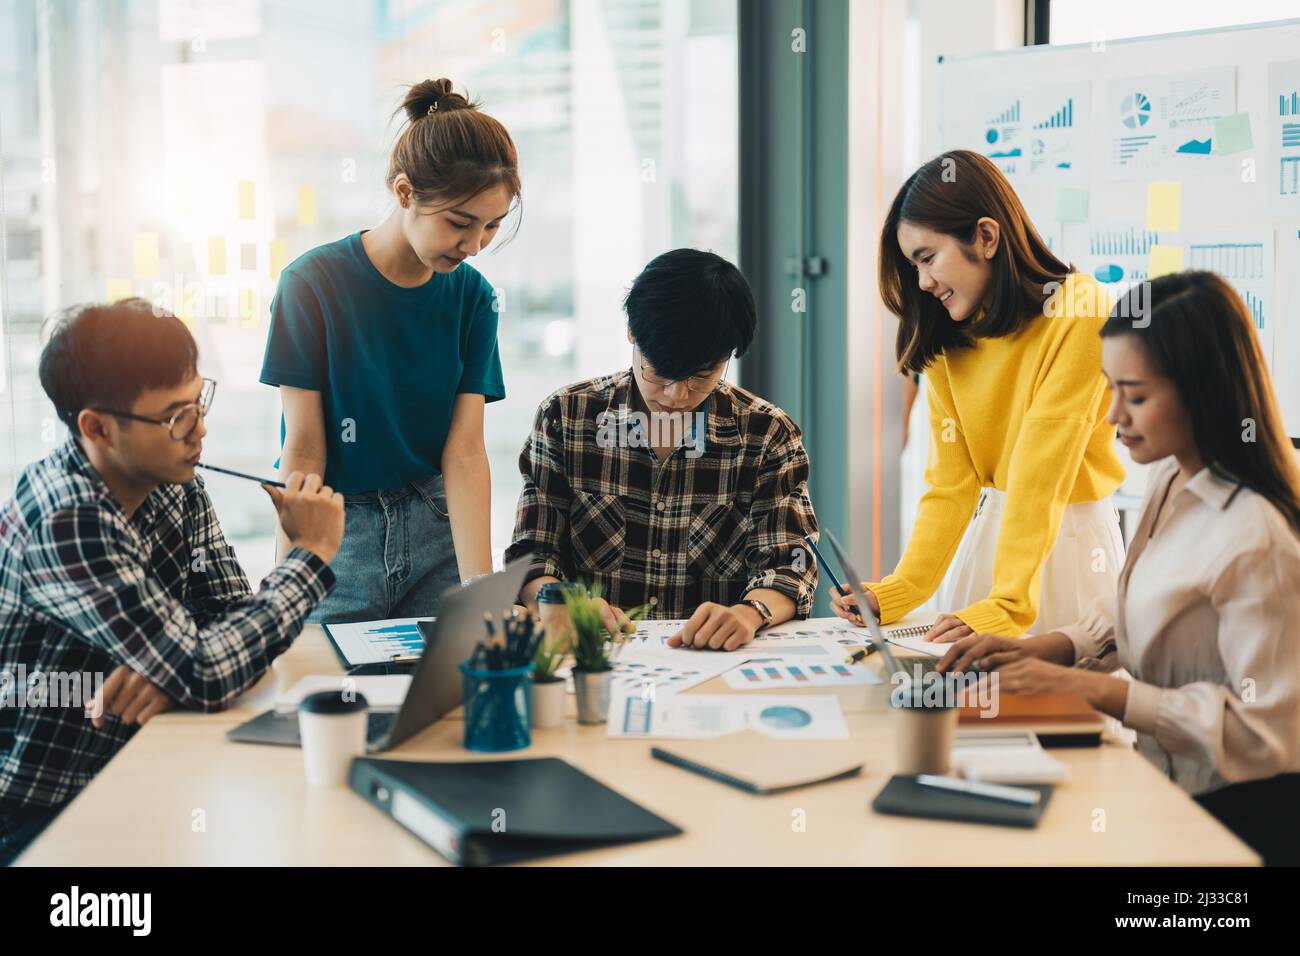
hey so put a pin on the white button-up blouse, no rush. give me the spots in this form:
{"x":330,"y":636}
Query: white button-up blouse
{"x":1207,"y":621}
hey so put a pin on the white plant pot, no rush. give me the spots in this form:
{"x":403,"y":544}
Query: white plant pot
{"x":548,"y":704}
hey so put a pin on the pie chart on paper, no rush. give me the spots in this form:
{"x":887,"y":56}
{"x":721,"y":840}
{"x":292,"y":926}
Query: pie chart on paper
{"x":1135,"y":111}
{"x":785,"y":718}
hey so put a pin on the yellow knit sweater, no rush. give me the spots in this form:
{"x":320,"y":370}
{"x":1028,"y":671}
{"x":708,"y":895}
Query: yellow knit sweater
{"x":1025,"y":414}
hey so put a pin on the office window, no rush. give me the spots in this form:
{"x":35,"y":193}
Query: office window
{"x":1083,"y":21}
{"x":186,"y":151}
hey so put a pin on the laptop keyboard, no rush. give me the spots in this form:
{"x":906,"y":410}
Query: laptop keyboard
{"x":378,"y":726}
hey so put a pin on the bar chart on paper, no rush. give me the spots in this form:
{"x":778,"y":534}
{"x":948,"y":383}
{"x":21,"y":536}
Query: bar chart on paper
{"x":1246,"y":262}
{"x":1117,"y":255}
{"x":817,"y":666}
{"x":1040,"y":133}
{"x":1284,"y":85}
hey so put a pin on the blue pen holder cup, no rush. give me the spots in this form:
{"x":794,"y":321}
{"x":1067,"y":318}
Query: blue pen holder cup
{"x":498,"y":708}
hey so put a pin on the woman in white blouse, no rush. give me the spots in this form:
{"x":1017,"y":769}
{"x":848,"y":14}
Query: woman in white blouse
{"x":1207,"y":618}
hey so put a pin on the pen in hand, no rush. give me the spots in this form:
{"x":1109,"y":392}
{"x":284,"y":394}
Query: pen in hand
{"x":826,"y":568}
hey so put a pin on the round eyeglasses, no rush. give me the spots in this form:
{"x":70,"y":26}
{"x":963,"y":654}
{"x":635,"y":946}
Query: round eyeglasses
{"x":699,"y":384}
{"x":183,"y":421}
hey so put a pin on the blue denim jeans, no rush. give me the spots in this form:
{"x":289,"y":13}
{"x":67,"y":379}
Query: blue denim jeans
{"x":397,"y":557}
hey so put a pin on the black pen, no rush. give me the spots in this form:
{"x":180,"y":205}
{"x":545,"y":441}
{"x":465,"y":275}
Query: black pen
{"x":861,"y":655}
{"x":240,"y":474}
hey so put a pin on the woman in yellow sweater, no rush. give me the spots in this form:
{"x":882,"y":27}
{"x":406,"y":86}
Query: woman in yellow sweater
{"x":1021,"y":461}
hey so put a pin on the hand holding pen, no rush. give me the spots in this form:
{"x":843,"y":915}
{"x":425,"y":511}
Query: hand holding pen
{"x":842,"y":602}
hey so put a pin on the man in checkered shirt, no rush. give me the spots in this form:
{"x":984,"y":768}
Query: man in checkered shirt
{"x":119,"y":596}
{"x":667,"y":486}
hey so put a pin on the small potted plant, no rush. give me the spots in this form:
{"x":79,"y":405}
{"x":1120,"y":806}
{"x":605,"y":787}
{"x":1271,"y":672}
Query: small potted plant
{"x":548,"y":688}
{"x":591,"y":647}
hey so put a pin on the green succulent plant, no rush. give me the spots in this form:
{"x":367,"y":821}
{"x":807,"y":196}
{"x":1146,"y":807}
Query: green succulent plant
{"x":592,"y":642}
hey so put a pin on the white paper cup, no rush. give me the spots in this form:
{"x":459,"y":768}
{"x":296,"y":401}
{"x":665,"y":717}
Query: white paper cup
{"x":923,"y":734}
{"x":923,"y":739}
{"x":332,"y":725}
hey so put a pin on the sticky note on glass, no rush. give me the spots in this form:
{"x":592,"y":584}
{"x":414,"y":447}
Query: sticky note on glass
{"x":118,"y":289}
{"x":146,"y":255}
{"x":247,"y":209}
{"x":1232,"y":134}
{"x":217,"y":255}
{"x":186,"y":307}
{"x":1072,"y":204}
{"x":277,"y":257}
{"x":247,"y":308}
{"x":1164,"y":207}
{"x":1164,"y":260}
{"x":306,"y":206}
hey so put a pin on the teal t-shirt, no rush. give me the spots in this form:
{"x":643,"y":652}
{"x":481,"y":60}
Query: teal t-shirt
{"x":388,"y":361}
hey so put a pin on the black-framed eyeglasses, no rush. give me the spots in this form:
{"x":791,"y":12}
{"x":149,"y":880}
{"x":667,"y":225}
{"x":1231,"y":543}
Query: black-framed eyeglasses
{"x":186,"y":418}
{"x":700,"y":384}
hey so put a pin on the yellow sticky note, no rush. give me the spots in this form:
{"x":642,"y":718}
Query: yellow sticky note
{"x":247,"y":209}
{"x":247,"y":308}
{"x":277,"y":257}
{"x":146,"y":255}
{"x":119,"y":289}
{"x":1164,"y":207}
{"x":306,"y":206}
{"x":1164,"y":260}
{"x":217,"y":255}
{"x":187,"y":308}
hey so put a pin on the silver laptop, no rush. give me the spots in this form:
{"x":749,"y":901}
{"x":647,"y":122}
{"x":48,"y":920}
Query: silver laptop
{"x":436,"y":688}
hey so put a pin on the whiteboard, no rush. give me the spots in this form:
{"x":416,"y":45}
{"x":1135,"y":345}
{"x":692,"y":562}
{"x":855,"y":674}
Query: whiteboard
{"x":1097,"y":123}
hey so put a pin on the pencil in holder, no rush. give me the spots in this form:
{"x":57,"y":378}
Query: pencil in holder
{"x":498,"y":708}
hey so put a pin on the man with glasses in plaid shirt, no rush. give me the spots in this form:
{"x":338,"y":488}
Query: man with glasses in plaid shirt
{"x":114,"y":572}
{"x":664,"y":484}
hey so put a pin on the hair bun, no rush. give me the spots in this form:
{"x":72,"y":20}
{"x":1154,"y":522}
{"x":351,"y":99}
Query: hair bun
{"x":429,"y":97}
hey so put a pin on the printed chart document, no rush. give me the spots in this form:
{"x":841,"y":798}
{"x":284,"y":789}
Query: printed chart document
{"x":641,"y":664}
{"x":805,"y":664}
{"x":684,"y":716}
{"x":820,"y":629}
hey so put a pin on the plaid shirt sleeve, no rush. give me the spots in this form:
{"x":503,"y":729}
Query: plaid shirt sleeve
{"x":542,"y":517}
{"x":87,"y":571}
{"x":216,"y":583}
{"x":782,"y":513}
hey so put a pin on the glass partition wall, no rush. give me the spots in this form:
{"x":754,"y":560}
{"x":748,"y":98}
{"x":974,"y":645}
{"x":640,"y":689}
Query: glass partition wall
{"x":186,"y":151}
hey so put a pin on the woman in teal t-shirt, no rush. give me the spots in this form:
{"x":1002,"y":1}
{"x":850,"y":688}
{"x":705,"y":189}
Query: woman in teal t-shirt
{"x":384,"y":347}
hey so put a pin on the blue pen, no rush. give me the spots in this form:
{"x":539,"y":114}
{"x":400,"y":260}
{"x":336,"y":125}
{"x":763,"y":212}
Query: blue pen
{"x":825,"y":567}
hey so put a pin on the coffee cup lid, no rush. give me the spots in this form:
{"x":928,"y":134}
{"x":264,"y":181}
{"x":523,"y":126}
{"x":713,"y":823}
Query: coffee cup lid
{"x":912,"y":694}
{"x":333,"y":702}
{"x":553,"y":592}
